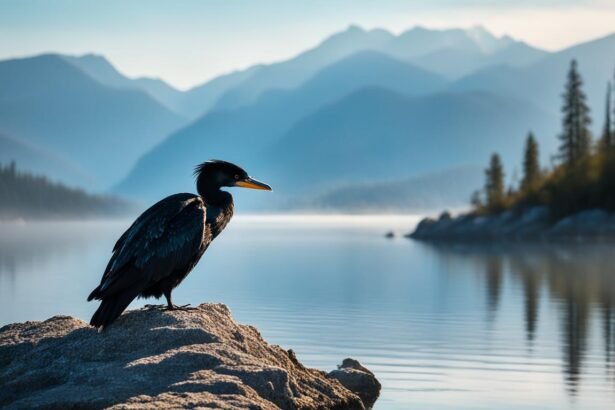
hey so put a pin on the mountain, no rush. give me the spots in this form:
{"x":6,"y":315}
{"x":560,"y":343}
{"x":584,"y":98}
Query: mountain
{"x":190,"y":104}
{"x":100,"y":69}
{"x":377,"y":135}
{"x":41,"y":161}
{"x":291,"y":73}
{"x":456,"y":52}
{"x":48,"y":102}
{"x":201,"y":99}
{"x":542,"y":82}
{"x":453,"y":53}
{"x":448,"y":188}
{"x":238,"y":135}
{"x":370,"y":136}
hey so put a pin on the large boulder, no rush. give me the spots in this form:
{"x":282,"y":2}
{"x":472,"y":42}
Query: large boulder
{"x":155,"y":358}
{"x":358,"y":379}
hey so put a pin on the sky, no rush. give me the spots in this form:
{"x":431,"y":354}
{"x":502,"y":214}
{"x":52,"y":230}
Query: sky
{"x":186,"y":42}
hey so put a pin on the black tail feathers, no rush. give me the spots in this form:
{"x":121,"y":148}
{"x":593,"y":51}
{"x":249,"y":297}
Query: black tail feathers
{"x":110,"y":308}
{"x":95,"y":294}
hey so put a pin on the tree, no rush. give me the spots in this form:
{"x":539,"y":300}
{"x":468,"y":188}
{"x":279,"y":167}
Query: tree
{"x":576,"y":136}
{"x":494,"y":184}
{"x":476,"y":200}
{"x":608,"y":132}
{"x":531,"y":164}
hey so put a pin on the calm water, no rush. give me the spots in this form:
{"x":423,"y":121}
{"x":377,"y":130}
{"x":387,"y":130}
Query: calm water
{"x":506,"y":327}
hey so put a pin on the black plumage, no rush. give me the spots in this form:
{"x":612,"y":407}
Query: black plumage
{"x":163,"y":244}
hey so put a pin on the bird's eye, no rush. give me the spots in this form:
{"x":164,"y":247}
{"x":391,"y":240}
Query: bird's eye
{"x":236,"y":177}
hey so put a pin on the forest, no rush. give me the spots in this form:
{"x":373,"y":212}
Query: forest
{"x":27,"y":196}
{"x":583,"y":176}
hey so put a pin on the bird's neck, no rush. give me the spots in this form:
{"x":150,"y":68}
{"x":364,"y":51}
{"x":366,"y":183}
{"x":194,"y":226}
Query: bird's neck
{"x":213,"y":195}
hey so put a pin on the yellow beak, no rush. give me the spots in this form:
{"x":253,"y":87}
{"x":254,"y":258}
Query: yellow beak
{"x":253,"y":184}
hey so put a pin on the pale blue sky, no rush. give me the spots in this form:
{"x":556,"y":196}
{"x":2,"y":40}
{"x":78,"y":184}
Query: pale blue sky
{"x":187,"y":42}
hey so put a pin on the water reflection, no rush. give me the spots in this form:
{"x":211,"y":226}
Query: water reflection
{"x":579,"y":279}
{"x":443,"y":327}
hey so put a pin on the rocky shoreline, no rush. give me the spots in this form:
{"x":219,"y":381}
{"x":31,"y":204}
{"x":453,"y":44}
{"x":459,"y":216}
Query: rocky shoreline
{"x":512,"y":225}
{"x":198,"y":358}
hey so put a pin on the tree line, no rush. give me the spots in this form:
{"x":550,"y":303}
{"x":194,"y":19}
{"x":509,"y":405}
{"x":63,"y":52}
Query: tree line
{"x":24,"y":195}
{"x":584,"y":174}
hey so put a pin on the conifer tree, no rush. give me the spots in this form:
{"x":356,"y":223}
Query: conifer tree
{"x":531,"y":165}
{"x":494,"y":184}
{"x":607,"y":133}
{"x":576,"y":136}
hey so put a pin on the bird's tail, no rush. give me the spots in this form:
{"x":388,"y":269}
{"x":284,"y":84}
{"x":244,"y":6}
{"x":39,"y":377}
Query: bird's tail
{"x":111,"y":308}
{"x":95,"y":294}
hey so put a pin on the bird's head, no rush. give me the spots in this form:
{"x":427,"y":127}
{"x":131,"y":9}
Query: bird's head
{"x":215,"y":174}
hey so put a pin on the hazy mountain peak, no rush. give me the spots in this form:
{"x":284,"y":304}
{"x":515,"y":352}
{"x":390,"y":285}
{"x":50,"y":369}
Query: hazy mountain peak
{"x":486,"y":41}
{"x":100,"y":69}
{"x":357,"y":37}
{"x":354,"y":28}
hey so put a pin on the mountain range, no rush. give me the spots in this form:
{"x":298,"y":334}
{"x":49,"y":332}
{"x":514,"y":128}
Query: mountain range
{"x":47,"y":102}
{"x":363,"y":108}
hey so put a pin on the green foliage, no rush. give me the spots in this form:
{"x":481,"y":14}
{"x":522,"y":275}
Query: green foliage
{"x":607,"y":142}
{"x":531,"y":165}
{"x":23,"y":195}
{"x":584,"y":179}
{"x":494,"y":184}
{"x":576,"y":136}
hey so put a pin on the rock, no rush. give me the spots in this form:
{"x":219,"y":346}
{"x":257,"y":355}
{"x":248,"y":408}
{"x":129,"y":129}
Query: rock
{"x":358,"y":379}
{"x":390,"y":235}
{"x":155,"y":358}
{"x":535,"y":215}
{"x":445,"y":216}
{"x":424,"y":226}
{"x":589,"y":222}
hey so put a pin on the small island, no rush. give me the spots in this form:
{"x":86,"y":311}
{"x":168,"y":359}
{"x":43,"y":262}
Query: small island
{"x":575,"y":199}
{"x":154,"y":358}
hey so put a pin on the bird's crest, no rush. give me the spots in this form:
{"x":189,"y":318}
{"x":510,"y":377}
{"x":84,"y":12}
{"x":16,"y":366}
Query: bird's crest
{"x":213,"y":164}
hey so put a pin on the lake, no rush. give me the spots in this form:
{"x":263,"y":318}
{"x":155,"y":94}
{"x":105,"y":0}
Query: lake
{"x":442,"y":327}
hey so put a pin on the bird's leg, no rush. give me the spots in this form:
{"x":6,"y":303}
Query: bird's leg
{"x":171,"y":306}
{"x":167,"y":295}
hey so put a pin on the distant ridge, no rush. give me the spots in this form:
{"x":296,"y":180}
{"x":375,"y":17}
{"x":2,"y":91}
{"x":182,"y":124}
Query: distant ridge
{"x":27,"y":196}
{"x":541,"y":82}
{"x":41,"y":161}
{"x":400,"y":105}
{"x":48,"y":102}
{"x":447,"y":188}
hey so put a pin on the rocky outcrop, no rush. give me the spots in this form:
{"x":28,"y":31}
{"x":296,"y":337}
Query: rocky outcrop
{"x":154,"y":358}
{"x":531,"y":224}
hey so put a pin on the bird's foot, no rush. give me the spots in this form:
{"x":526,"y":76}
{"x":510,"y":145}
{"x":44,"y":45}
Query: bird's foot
{"x":182,"y":307}
{"x":155,"y":307}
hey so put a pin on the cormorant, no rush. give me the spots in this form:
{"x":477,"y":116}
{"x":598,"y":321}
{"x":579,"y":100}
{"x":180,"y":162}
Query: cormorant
{"x":167,"y":240}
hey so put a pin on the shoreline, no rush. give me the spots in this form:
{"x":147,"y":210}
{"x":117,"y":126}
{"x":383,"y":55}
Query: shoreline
{"x":533,"y":224}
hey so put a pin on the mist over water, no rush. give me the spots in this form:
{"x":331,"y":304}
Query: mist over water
{"x":443,"y":327}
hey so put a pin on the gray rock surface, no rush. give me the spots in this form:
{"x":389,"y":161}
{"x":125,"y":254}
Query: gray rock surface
{"x":533,"y":223}
{"x":179,"y":359}
{"x":592,"y":221}
{"x":358,"y":379}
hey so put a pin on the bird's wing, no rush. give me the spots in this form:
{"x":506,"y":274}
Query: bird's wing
{"x":167,"y":236}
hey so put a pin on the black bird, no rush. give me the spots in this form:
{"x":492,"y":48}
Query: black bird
{"x":163,"y":244}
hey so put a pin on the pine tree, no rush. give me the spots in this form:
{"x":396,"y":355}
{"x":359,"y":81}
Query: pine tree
{"x":531,"y":165}
{"x":607,"y":133}
{"x":613,"y":119}
{"x":494,"y":185}
{"x":576,"y":136}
